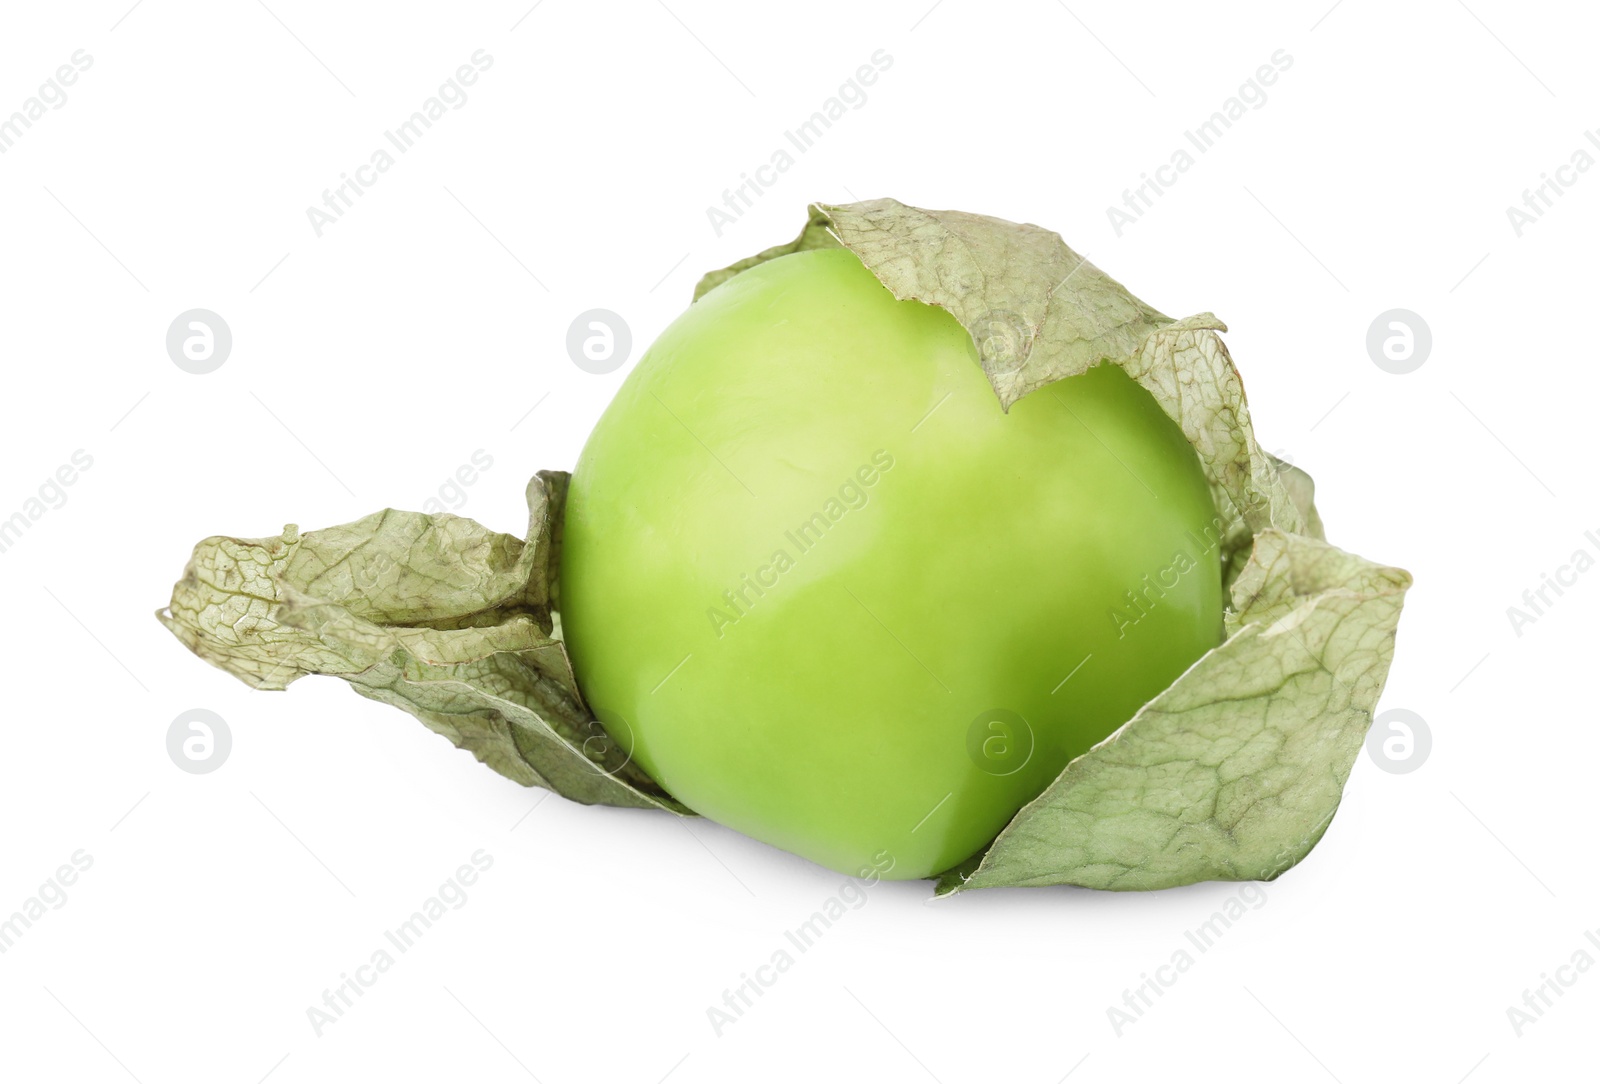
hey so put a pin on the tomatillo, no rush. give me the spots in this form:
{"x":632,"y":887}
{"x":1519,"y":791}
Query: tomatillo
{"x":831,"y":595}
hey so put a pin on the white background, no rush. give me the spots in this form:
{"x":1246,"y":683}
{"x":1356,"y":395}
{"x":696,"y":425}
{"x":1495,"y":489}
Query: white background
{"x":370,"y":363}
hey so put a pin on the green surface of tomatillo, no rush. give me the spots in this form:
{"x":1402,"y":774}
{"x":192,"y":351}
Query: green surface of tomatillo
{"x":833,"y":597}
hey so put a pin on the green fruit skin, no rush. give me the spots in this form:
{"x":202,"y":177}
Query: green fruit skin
{"x":837,"y":708}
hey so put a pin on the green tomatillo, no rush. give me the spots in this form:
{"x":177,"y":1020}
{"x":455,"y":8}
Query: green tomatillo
{"x":918,"y":546}
{"x":827,"y":592}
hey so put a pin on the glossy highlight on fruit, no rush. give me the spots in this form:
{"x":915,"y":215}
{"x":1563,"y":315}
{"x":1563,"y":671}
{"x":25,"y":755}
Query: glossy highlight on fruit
{"x":831,"y":595}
